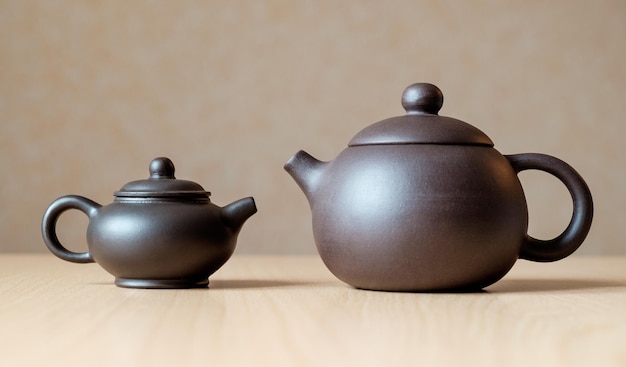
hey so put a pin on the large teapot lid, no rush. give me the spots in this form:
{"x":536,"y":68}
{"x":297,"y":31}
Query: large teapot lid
{"x":421,"y":124}
{"x":162,"y":184}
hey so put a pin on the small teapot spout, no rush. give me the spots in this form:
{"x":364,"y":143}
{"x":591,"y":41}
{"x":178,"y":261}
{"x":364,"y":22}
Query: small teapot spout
{"x":306,"y":171}
{"x":235,"y":214}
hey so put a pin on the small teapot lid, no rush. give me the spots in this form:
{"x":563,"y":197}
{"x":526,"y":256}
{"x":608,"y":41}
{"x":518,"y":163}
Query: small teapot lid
{"x":421,"y":124}
{"x":162,"y":184}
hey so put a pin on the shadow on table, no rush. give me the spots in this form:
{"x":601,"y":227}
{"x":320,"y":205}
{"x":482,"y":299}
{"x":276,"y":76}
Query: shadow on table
{"x":550,"y":285}
{"x":226,"y":284}
{"x":254,"y":283}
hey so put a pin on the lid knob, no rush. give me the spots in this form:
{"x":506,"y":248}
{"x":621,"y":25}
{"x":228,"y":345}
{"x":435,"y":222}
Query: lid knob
{"x":161,"y":167}
{"x":420,"y":98}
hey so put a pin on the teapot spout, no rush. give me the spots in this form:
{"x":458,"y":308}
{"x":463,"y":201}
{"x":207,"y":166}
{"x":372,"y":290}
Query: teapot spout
{"x":306,"y":171}
{"x":235,"y":214}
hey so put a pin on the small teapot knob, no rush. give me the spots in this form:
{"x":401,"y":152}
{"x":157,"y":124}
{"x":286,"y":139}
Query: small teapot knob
{"x":420,"y":98}
{"x":161,"y":167}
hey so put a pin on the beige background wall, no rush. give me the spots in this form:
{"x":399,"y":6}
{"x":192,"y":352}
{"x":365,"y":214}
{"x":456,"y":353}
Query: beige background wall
{"x":91,"y":91}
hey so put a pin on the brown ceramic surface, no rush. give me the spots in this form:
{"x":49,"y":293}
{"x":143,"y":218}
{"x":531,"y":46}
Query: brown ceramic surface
{"x":158,"y":233}
{"x":423,"y":202}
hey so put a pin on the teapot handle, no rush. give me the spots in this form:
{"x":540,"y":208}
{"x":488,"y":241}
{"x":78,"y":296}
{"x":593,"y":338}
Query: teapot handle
{"x":48,"y":226}
{"x":567,"y":242}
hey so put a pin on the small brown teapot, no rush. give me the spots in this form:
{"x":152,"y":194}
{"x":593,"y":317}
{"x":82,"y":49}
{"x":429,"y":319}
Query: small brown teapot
{"x":424,"y":202}
{"x":157,"y":233}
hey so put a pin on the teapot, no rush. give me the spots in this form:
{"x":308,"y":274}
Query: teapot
{"x":423,"y":202}
{"x":158,"y":233}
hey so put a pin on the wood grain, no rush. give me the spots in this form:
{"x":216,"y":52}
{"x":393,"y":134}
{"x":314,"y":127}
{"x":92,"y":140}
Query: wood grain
{"x":290,"y":311}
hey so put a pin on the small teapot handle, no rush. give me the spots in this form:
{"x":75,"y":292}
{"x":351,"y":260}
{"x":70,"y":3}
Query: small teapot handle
{"x":567,"y":242}
{"x":48,"y":226}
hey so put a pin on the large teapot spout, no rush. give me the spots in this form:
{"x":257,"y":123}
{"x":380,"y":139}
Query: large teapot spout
{"x":306,"y":171}
{"x":235,"y":214}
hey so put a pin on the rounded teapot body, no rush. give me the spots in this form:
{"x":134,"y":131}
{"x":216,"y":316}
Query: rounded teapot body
{"x":159,"y":240}
{"x":423,"y":202}
{"x":158,"y":233}
{"x":419,"y":217}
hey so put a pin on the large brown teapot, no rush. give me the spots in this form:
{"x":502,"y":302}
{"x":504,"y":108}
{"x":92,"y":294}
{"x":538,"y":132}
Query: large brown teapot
{"x":423,"y":202}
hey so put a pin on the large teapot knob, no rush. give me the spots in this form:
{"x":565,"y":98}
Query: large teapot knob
{"x":422,"y":98}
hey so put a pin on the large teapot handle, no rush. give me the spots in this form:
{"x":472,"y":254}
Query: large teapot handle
{"x":48,"y":226}
{"x":567,"y":242}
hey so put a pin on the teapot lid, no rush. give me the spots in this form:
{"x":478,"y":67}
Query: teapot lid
{"x":162,"y":184}
{"x":421,"y":124}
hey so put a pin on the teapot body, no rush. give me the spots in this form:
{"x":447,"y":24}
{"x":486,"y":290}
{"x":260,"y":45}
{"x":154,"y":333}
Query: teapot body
{"x":419,"y":217}
{"x":158,"y":233}
{"x":159,"y":242}
{"x":423,"y":202}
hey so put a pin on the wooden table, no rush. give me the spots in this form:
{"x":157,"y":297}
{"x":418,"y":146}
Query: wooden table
{"x":290,"y":311}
